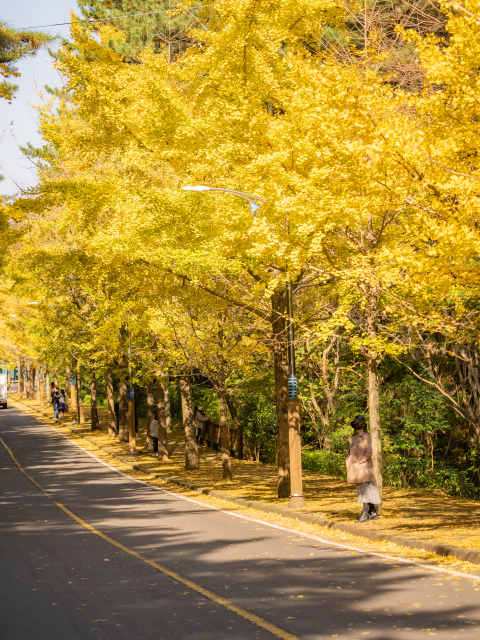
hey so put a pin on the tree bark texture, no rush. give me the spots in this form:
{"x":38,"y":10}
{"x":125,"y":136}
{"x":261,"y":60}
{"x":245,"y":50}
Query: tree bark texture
{"x":81,"y":418}
{"x":162,"y":423}
{"x":67,"y":387}
{"x":47,"y":384}
{"x":281,"y":392}
{"x":93,"y":403}
{"x":30,"y":391}
{"x":373,"y":395}
{"x":37,"y":383}
{"x":237,"y":425}
{"x":224,"y":439}
{"x":151,"y":416}
{"x":112,"y":420}
{"x":166,"y":393}
{"x":21,"y":377}
{"x":191,"y":449}
{"x":123,"y":433}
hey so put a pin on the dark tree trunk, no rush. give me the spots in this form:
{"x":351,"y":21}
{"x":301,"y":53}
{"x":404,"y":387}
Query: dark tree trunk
{"x":123,"y":432}
{"x":373,"y":394}
{"x":67,"y":391}
{"x":30,"y":390}
{"x":47,"y":384}
{"x":112,"y":420}
{"x":237,"y":425}
{"x":224,"y":439}
{"x":37,"y":383}
{"x":191,"y":449}
{"x":151,"y":416}
{"x":81,"y":418}
{"x":21,"y":379}
{"x":166,"y":393}
{"x":281,"y":392}
{"x":162,"y":423}
{"x":93,"y":405}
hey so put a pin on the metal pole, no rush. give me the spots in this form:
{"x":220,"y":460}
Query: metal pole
{"x":132,"y":440}
{"x":295,"y":446}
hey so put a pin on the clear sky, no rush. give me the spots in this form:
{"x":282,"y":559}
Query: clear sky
{"x":18,"y":124}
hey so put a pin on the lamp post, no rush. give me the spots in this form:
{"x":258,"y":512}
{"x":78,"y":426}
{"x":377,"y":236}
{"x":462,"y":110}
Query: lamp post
{"x":297,"y":500}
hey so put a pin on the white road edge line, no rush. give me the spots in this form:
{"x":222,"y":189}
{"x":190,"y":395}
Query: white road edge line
{"x":276,"y":526}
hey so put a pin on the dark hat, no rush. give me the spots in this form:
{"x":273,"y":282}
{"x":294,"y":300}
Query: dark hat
{"x":359,"y":422}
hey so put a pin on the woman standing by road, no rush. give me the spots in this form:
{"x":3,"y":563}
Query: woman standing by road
{"x":360,"y":469}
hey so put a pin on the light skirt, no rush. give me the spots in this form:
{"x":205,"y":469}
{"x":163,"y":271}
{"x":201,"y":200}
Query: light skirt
{"x":368,"y":492}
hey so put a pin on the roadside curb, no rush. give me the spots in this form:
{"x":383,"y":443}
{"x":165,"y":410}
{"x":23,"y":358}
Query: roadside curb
{"x":468,"y":555}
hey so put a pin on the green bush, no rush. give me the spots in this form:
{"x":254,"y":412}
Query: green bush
{"x":399,"y":471}
{"x":325,"y":462}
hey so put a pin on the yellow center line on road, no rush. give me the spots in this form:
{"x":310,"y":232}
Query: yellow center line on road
{"x":248,"y":615}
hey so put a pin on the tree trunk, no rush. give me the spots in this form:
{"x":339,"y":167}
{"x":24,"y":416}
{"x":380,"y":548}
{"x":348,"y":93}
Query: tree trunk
{"x":162,"y":423}
{"x":373,"y":395}
{"x":375,"y":428}
{"x":81,"y":419}
{"x":123,"y":411}
{"x":55,"y":379}
{"x":166,"y":393}
{"x":37,"y":383}
{"x":67,"y":387}
{"x":112,"y":420}
{"x":191,"y":449}
{"x":47,"y":383}
{"x":93,"y":403}
{"x":151,"y":416}
{"x":30,"y":391}
{"x":21,"y":377}
{"x":281,"y":392}
{"x":237,"y":425}
{"x":224,"y":440}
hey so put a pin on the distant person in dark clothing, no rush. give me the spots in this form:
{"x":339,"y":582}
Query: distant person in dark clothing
{"x":61,"y":403}
{"x":199,"y":418}
{"x":154,"y":435}
{"x":116,"y":408}
{"x":55,"y":402}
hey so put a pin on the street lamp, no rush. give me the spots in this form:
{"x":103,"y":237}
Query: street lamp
{"x":297,"y":500}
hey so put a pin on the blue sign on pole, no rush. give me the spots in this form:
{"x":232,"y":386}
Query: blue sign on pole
{"x":131,"y":393}
{"x":72,"y":381}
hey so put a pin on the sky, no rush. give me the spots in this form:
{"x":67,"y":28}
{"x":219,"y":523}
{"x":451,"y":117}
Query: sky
{"x":18,"y":121}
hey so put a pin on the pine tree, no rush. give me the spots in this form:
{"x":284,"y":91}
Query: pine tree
{"x":154,"y":27}
{"x":15,"y":45}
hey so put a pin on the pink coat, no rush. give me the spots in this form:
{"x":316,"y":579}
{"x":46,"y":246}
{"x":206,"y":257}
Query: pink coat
{"x":359,"y":459}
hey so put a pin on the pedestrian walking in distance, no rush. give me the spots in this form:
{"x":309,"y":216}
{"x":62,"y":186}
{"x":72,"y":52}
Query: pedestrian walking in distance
{"x":199,"y":418}
{"x":154,"y":433}
{"x":360,"y":469}
{"x":61,"y":404}
{"x":55,"y":400}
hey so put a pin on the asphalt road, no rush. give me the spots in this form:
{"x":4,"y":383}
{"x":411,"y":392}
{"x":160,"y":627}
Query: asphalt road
{"x":59,"y":580}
